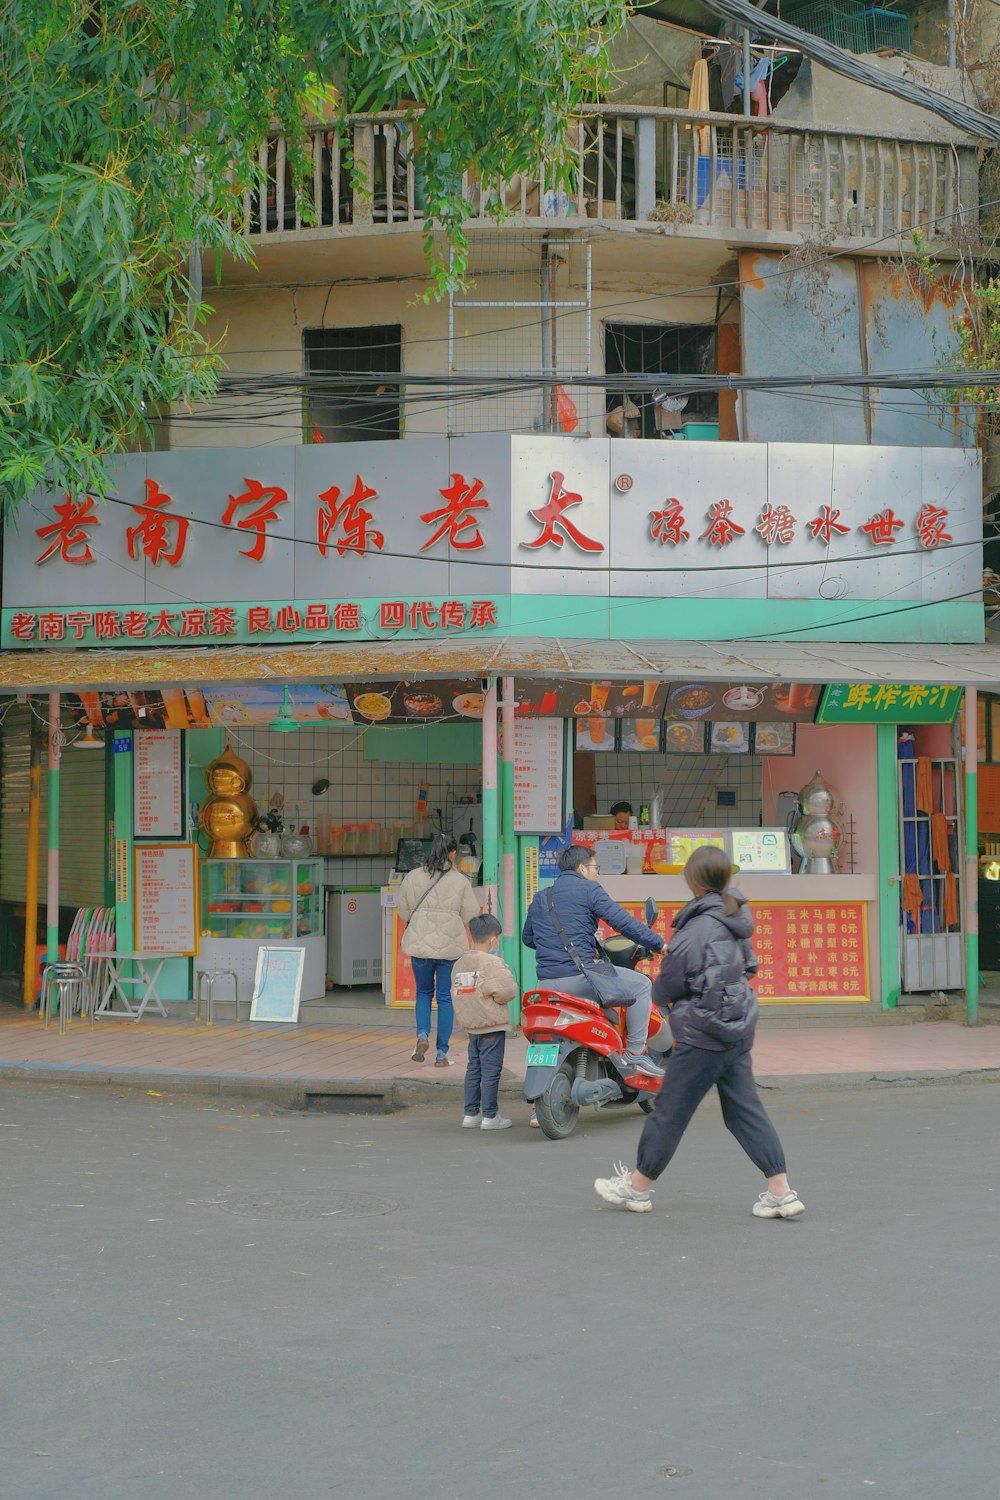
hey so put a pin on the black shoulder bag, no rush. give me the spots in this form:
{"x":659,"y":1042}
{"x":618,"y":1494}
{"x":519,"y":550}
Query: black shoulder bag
{"x":601,"y":975}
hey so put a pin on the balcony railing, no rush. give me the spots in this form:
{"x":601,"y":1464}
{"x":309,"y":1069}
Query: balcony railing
{"x":639,"y":165}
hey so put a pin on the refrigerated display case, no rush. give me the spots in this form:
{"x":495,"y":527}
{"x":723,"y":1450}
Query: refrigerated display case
{"x":250,"y":902}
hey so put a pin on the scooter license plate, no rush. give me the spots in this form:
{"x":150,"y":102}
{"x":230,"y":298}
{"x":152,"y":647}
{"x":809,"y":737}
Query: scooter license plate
{"x":542,"y":1055}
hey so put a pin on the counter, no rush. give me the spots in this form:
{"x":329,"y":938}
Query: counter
{"x":816,"y":936}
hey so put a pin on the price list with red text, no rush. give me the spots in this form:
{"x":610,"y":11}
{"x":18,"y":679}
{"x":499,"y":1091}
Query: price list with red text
{"x":538,"y":775}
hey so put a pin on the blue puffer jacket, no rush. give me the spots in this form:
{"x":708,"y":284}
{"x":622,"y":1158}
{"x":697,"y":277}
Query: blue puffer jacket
{"x":704,"y":977}
{"x":581,"y":904}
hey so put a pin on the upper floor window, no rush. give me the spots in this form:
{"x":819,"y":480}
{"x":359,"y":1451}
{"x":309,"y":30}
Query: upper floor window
{"x":359,"y":404}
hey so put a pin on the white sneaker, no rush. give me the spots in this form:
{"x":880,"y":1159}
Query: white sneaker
{"x":496,"y":1122}
{"x":619,"y":1191}
{"x":471,"y":1122}
{"x":770,"y":1207}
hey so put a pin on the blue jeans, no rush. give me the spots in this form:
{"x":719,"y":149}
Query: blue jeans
{"x":434,"y":974}
{"x":482,"y":1073}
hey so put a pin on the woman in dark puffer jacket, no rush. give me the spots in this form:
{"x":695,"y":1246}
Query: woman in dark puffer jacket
{"x":704,"y":980}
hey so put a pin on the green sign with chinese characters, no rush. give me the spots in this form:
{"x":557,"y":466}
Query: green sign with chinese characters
{"x":888,"y":703}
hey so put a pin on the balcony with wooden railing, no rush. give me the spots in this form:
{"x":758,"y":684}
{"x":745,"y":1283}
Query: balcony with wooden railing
{"x":727,"y":177}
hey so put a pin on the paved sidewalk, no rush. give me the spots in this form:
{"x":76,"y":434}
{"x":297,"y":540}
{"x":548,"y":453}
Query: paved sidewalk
{"x":288,"y":1063}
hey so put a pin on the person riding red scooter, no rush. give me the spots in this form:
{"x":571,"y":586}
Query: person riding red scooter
{"x":582,"y":1050}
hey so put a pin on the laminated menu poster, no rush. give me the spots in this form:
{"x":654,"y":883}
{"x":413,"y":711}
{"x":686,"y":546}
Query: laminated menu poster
{"x":166,"y":899}
{"x":158,"y":784}
{"x":538,"y":775}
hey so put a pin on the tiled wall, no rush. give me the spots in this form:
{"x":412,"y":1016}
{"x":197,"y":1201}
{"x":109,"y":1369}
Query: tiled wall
{"x":359,"y":790}
{"x":690,"y":782}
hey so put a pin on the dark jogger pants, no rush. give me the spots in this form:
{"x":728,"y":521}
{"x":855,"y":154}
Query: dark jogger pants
{"x":691,"y":1072}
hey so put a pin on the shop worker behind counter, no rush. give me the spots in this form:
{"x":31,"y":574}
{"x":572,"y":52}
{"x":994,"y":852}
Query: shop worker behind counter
{"x":622,"y":814}
{"x":581,"y":902}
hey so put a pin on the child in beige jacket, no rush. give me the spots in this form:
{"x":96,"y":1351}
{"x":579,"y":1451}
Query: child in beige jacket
{"x":481,"y":986}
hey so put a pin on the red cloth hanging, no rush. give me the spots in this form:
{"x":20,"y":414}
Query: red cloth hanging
{"x":950,"y":914}
{"x":940,"y":852}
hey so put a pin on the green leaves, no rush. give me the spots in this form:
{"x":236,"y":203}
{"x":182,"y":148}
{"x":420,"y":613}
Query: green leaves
{"x":132,"y":129}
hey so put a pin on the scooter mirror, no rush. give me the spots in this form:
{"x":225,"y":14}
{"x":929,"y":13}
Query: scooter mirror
{"x":652,"y":911}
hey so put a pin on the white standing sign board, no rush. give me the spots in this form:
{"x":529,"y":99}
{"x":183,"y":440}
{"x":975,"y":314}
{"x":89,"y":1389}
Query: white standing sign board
{"x":538,"y":775}
{"x":277,"y":986}
{"x":158,"y":784}
{"x":166,"y":898}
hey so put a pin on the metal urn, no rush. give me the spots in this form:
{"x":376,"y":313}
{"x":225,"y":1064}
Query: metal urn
{"x":228,"y":813}
{"x":817,"y":833}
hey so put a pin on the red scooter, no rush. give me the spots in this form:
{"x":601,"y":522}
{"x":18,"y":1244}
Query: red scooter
{"x":575,"y":1052}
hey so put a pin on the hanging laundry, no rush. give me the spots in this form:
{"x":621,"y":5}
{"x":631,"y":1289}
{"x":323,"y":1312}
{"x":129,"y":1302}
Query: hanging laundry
{"x":949,"y":916}
{"x":940,"y":850}
{"x":913,"y":899}
{"x":698,"y":99}
{"x":759,"y":72}
{"x":925,"y":785}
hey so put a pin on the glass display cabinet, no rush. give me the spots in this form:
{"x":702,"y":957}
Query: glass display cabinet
{"x":246,"y":903}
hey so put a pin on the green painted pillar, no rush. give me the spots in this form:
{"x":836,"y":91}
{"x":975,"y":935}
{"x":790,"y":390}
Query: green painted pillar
{"x":971,"y":858}
{"x":52,"y":863}
{"x":888,"y":867}
{"x":511,"y":940}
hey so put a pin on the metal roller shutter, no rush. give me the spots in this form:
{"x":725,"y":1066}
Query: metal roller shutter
{"x":81,"y":853}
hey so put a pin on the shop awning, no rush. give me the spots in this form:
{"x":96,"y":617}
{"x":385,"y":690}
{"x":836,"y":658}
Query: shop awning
{"x":719,"y":661}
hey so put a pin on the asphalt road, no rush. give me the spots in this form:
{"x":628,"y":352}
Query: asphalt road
{"x":203,"y":1301}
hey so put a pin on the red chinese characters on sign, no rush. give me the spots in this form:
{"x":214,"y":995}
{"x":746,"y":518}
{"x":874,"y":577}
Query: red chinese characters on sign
{"x":666,"y":525}
{"x":457,"y":520}
{"x":555,"y":526}
{"x":930,"y":524}
{"x":827,"y":524}
{"x":268,"y":499}
{"x":811,"y":953}
{"x":158,"y":536}
{"x":808,"y":953}
{"x":776,"y":524}
{"x":351,"y":515}
{"x":882,"y":527}
{"x":722,"y":528}
{"x":70,"y":534}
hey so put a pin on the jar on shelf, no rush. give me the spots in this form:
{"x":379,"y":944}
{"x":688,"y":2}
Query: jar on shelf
{"x":296,"y":846}
{"x":265,"y":845}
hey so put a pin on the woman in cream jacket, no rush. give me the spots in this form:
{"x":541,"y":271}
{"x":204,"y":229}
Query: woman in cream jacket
{"x":435,"y":901}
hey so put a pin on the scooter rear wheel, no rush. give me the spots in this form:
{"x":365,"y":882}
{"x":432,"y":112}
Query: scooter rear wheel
{"x":557,"y":1114}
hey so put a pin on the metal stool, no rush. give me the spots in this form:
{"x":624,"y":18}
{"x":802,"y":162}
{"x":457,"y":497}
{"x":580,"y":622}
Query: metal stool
{"x":65,"y":985}
{"x":204,"y":989}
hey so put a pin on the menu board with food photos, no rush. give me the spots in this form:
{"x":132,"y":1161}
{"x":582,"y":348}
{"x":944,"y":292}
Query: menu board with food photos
{"x":725,"y":702}
{"x":602,"y":698}
{"x":457,"y":700}
{"x":595,"y":735}
{"x":729,"y":738}
{"x":640,"y":736}
{"x":774,"y":739}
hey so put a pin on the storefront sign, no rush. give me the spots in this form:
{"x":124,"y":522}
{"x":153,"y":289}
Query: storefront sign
{"x":261,"y":624}
{"x":410,"y":538}
{"x":810,"y":953}
{"x":888,"y":703}
{"x":158,"y":784}
{"x":166,"y":898}
{"x":538,"y":775}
